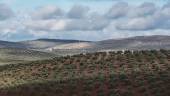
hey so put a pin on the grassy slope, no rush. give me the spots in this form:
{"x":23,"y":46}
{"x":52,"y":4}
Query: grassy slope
{"x":12,"y":56}
{"x":47,"y":43}
{"x":99,"y":74}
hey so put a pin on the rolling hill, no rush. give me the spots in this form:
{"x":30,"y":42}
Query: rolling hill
{"x":6,"y":44}
{"x":18,"y":52}
{"x":59,"y":47}
{"x":138,"y":73}
{"x":133,"y":43}
{"x":136,"y":43}
{"x":42,"y":44}
{"x":16,"y":55}
{"x":28,"y":68}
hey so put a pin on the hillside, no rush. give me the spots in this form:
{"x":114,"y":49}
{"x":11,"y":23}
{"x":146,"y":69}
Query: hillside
{"x":6,"y":44}
{"x":136,"y":43}
{"x":132,"y":43}
{"x":138,"y":73}
{"x":47,"y":43}
{"x":154,"y":42}
{"x":15,"y":55}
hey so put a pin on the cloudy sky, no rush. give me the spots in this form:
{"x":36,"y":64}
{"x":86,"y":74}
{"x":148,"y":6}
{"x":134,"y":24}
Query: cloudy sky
{"x":83,"y":19}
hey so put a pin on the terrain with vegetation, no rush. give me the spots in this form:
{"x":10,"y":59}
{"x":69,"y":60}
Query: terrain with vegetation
{"x":120,"y":73}
{"x":15,"y":55}
{"x":132,"y":43}
{"x":42,"y":49}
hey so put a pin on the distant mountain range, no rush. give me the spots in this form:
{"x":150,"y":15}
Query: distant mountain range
{"x":40,"y":49}
{"x":136,"y":43}
{"x":133,"y":43}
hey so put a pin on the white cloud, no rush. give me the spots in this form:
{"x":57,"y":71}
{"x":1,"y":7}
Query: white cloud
{"x":147,"y":18}
{"x":78,"y":11}
{"x":5,"y":12}
{"x":87,"y":25}
{"x":121,"y":20}
{"x":118,"y":10}
{"x":143,"y":10}
{"x":46,"y":25}
{"x":140,"y":23}
{"x":47,"y":12}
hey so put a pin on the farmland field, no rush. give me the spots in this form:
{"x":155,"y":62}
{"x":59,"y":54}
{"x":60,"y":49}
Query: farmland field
{"x":138,"y":73}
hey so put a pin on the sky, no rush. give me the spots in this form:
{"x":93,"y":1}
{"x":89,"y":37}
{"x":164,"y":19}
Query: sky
{"x":91,"y":20}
